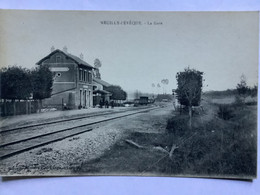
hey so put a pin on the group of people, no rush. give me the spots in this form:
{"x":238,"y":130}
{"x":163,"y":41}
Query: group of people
{"x":106,"y":103}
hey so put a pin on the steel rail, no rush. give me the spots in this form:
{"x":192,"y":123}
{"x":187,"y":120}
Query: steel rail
{"x":8,"y":154}
{"x":64,"y":120}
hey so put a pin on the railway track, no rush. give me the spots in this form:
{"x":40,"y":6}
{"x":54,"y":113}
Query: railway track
{"x":6,"y":129}
{"x":11,"y":148}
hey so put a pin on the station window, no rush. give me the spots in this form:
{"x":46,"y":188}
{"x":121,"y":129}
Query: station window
{"x":84,"y":75}
{"x":89,"y":77}
{"x":80,"y":74}
{"x":58,"y":59}
{"x":58,"y":74}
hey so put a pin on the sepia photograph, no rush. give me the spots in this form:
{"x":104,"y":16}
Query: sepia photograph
{"x":129,"y":93}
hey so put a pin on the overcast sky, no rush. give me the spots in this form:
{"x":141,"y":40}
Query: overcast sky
{"x":223,"y":45}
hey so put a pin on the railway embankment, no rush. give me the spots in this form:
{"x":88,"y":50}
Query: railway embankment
{"x":215,"y":146}
{"x":24,"y":153}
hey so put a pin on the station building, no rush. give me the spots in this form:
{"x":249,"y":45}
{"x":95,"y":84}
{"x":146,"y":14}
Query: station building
{"x":73,"y":80}
{"x":99,"y":94}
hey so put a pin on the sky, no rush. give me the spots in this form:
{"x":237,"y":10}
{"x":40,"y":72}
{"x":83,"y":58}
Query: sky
{"x":223,"y":45}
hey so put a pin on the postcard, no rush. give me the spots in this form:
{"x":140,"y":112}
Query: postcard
{"x":129,"y":93}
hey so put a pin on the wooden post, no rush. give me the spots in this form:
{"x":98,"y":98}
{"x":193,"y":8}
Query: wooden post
{"x":190,"y":115}
{"x":26,"y":106}
{"x":5,"y":109}
{"x":39,"y":107}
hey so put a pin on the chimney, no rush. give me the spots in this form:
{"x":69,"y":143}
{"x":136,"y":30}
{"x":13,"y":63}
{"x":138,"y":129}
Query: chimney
{"x":52,"y":48}
{"x":81,"y":56}
{"x":65,"y":49}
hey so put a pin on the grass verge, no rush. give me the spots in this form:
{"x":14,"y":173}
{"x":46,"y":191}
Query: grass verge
{"x":213,"y":148}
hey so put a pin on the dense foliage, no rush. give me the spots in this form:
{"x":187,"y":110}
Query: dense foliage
{"x":15,"y":83}
{"x":97,"y":63}
{"x":117,"y":92}
{"x":19,"y":83}
{"x":229,"y":149}
{"x":244,"y":90}
{"x":189,"y":87}
{"x":42,"y":80}
{"x":242,"y":87}
{"x":253,"y":91}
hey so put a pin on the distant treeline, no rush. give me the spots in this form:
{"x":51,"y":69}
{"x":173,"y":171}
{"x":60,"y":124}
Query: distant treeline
{"x":228,"y":92}
{"x":161,"y":97}
{"x":248,"y":91}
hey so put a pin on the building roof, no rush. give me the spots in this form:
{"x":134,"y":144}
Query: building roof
{"x":102,"y":92}
{"x":99,"y":81}
{"x":72,"y":57}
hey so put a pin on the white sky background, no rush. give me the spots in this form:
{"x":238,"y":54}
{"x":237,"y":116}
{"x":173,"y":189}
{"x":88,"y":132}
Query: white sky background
{"x":222,"y":45}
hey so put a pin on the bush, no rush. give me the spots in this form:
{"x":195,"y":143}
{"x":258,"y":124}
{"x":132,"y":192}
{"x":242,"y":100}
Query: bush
{"x":177,"y":125}
{"x":15,"y":83}
{"x":238,"y":101}
{"x":225,"y":111}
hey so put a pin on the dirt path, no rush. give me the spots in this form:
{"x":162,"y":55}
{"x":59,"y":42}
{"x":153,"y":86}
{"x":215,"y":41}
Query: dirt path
{"x":125,"y":159}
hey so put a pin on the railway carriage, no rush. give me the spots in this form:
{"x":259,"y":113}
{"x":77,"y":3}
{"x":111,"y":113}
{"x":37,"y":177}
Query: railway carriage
{"x":143,"y":100}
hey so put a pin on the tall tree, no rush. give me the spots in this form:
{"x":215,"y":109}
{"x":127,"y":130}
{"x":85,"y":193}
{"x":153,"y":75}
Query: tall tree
{"x":189,"y":88}
{"x":97,"y":65}
{"x":117,"y":92}
{"x":15,"y":85}
{"x":42,"y":81}
{"x":242,"y":87}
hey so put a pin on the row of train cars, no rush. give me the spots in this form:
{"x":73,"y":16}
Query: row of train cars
{"x":143,"y":100}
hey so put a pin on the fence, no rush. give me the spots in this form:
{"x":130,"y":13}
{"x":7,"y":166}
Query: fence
{"x":9,"y":108}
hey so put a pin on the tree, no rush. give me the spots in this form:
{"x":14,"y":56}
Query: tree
{"x":42,"y":81}
{"x":117,"y":92}
{"x":97,"y":63}
{"x":15,"y":85}
{"x":164,"y":82}
{"x":242,"y":87}
{"x":253,"y":91}
{"x":189,"y":88}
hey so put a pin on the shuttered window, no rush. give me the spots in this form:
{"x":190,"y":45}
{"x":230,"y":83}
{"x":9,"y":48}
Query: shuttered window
{"x":89,"y":77}
{"x":80,"y":74}
{"x":84,"y":75}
